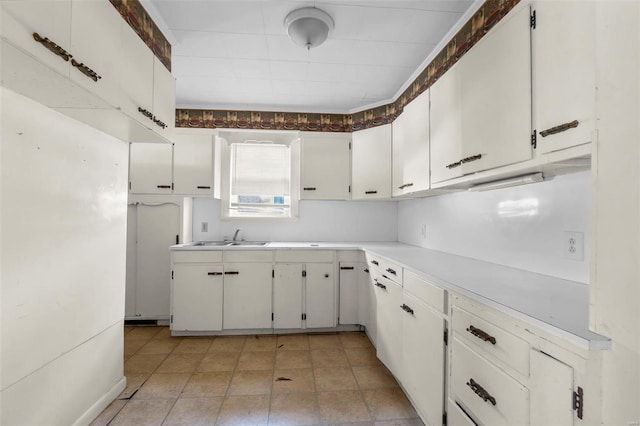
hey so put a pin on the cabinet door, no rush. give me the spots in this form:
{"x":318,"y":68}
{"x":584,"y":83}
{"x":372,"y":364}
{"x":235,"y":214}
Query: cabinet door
{"x":95,"y":43}
{"x":325,"y":167}
{"x":136,"y":77}
{"x":287,"y":295}
{"x":422,"y":339}
{"x":193,"y":164}
{"x":247,"y":296}
{"x":411,"y":147}
{"x":446,"y":126}
{"x":49,"y":19}
{"x":320,"y":295}
{"x":389,"y":322}
{"x":496,"y":96}
{"x":564,"y":80}
{"x":150,"y":168}
{"x":164,"y":100}
{"x":371,"y":163}
{"x":372,"y":323}
{"x":353,"y":293}
{"x":196,"y":302}
{"x":551,"y":391}
{"x":157,"y":228}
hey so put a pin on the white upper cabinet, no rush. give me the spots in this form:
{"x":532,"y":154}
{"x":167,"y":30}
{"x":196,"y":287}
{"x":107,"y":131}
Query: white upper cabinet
{"x":150,"y":168}
{"x":325,"y":166}
{"x":371,"y":163}
{"x":136,"y":77}
{"x":486,"y":97}
{"x":563,"y":43}
{"x":193,"y":164}
{"x":164,"y":100}
{"x":411,"y":147}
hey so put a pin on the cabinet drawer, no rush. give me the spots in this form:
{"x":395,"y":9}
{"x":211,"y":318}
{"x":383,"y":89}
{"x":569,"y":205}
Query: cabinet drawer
{"x":389,"y":269}
{"x":196,"y":256}
{"x":474,"y":379}
{"x":492,"y":340}
{"x":425,"y":291}
{"x":247,"y":255}
{"x":304,"y":256}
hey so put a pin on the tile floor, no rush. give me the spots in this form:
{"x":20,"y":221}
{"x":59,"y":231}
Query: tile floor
{"x":315,"y":379}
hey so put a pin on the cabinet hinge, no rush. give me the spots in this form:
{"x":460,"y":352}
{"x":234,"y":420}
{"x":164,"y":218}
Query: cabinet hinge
{"x":271,"y":316}
{"x":444,"y":418}
{"x":172,"y":186}
{"x":171,"y":274}
{"x":446,"y":337}
{"x":171,"y":319}
{"x":129,"y":185}
{"x":273,"y":273}
{"x":534,"y":139}
{"x":349,"y":145}
{"x":304,"y":316}
{"x":178,"y":239}
{"x":532,"y":20}
{"x":578,"y":402}
{"x":349,"y":189}
{"x":304,"y":273}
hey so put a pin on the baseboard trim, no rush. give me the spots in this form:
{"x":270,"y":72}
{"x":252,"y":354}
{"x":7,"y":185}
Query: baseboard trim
{"x":102,"y":403}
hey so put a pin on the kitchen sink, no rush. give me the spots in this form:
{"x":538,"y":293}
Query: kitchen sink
{"x":248,"y":243}
{"x":211,"y":243}
{"x":229,"y":243}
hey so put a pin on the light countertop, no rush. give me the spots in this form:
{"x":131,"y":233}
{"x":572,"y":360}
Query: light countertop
{"x":558,"y":306}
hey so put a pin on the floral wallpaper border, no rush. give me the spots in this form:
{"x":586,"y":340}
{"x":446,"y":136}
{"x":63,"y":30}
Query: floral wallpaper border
{"x":133,"y":12}
{"x":489,"y":14}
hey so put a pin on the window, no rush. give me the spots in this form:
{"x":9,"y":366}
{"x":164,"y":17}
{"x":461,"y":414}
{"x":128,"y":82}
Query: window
{"x":262,"y":180}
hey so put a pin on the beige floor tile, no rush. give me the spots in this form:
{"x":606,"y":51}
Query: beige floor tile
{"x":109,"y":413}
{"x":144,"y":333}
{"x":128,"y":329}
{"x":390,"y":403}
{"x":401,"y":422}
{"x":251,"y":383}
{"x":142,"y":364}
{"x":194,"y":411}
{"x":293,"y":342}
{"x":294,"y":409}
{"x":334,"y":379}
{"x":342,"y":407}
{"x":227,"y":344}
{"x":328,"y":358}
{"x":374,"y":377}
{"x":134,"y":382}
{"x":202,"y":385}
{"x":193,"y":345}
{"x":324,"y":341}
{"x":218,"y":361}
{"x":260,"y":343}
{"x":244,"y":410}
{"x":180,"y":363}
{"x":159,"y":346}
{"x":355,"y":340}
{"x":264,"y":360}
{"x":299,"y":380}
{"x":143,"y":413}
{"x":164,"y":333}
{"x":293,"y":359}
{"x":162,"y":386}
{"x":362,"y":357}
{"x":131,"y":346}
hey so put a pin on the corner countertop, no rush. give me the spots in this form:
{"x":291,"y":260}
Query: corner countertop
{"x":558,"y":306}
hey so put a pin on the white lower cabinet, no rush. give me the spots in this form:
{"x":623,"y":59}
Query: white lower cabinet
{"x":551,"y":382}
{"x":320,"y":295}
{"x":197,"y":297}
{"x":247,"y":295}
{"x":354,"y":293}
{"x":287,"y":295}
{"x":389,"y":323}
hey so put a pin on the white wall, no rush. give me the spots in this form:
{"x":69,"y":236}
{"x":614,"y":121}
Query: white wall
{"x":521,"y":227}
{"x":63,"y":239}
{"x":319,"y":221}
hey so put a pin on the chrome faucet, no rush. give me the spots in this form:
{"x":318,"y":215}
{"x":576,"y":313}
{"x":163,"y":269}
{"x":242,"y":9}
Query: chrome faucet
{"x":236,"y":234}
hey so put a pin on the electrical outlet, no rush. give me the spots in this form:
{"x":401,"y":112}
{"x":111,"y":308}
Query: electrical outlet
{"x":423,"y":231}
{"x":205,"y":227}
{"x":573,"y":245}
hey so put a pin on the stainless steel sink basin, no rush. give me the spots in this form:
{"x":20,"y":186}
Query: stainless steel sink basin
{"x":211,"y":243}
{"x":248,"y":243}
{"x":229,"y":243}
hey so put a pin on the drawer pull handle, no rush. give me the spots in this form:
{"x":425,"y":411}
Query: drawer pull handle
{"x":164,"y":186}
{"x":366,"y":270}
{"x":311,"y":188}
{"x":146,"y":113}
{"x":559,"y":129}
{"x":454,"y":165}
{"x":232,"y":273}
{"x":371,"y":192}
{"x":481,"y":392}
{"x":86,"y":70}
{"x":406,"y":185}
{"x":391,"y":271}
{"x":214,"y":273}
{"x":406,"y":309}
{"x":52,"y":47}
{"x":203,"y":187}
{"x":378,"y":284}
{"x":471,"y":158}
{"x":346,"y":268}
{"x":480,"y":334}
{"x":375,"y":262}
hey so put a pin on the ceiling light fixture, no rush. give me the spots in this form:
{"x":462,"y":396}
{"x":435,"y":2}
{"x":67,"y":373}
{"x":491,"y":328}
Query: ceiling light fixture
{"x":308,"y":27}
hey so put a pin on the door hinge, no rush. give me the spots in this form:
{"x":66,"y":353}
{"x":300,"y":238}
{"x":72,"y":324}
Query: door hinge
{"x":304,"y":316}
{"x":444,"y":418}
{"x":446,"y":337}
{"x":532,"y":20}
{"x":171,"y":274}
{"x":578,"y":402}
{"x":304,"y":273}
{"x":534,"y":139}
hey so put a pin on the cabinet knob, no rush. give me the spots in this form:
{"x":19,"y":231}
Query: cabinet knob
{"x":326,"y":275}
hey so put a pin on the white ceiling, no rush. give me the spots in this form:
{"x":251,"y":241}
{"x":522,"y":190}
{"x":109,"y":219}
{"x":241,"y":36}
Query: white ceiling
{"x":230,"y":54}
